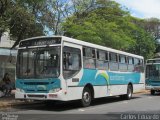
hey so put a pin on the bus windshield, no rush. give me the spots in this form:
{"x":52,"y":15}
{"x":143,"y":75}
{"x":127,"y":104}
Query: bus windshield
{"x":153,"y":71}
{"x":38,"y":62}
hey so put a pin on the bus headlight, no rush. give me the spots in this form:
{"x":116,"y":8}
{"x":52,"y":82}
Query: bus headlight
{"x":55,"y":90}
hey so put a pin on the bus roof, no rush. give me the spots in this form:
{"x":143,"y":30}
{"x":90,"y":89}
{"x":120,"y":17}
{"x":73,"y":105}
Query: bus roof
{"x":154,"y":59}
{"x":87,"y":44}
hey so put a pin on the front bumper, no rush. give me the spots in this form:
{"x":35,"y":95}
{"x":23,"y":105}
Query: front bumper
{"x":60,"y":96}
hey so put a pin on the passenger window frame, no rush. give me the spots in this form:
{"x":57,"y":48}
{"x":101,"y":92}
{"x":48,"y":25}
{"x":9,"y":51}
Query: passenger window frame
{"x":71,"y":51}
{"x":91,"y":57}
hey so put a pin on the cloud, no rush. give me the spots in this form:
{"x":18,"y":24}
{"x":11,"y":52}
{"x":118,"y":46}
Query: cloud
{"x":142,"y":8}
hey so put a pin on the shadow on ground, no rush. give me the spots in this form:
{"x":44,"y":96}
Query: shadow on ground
{"x":71,"y":105}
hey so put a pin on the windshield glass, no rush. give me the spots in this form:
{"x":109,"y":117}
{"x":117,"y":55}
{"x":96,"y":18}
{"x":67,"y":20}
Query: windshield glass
{"x":38,"y":62}
{"x":153,"y":71}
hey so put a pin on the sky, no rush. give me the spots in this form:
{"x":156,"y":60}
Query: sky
{"x":142,"y":8}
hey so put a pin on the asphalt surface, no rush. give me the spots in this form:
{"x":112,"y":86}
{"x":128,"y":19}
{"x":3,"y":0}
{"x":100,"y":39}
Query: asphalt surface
{"x":142,"y":105}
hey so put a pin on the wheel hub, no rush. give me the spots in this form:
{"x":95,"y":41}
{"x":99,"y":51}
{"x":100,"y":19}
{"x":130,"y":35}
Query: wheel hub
{"x":129,"y":93}
{"x":86,"y":97}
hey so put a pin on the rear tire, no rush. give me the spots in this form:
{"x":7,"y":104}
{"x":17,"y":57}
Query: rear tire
{"x":152,"y":92}
{"x":86,"y":97}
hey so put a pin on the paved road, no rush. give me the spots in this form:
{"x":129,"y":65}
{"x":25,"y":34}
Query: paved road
{"x":142,"y":103}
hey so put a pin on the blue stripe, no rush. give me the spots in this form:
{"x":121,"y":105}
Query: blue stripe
{"x":38,"y":85}
{"x":89,"y":76}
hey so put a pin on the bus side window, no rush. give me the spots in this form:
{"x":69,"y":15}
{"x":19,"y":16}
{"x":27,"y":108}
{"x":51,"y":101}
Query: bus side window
{"x":130,"y":64}
{"x":89,"y":57}
{"x":136,"y":65}
{"x":139,"y":65}
{"x":65,"y":61}
{"x":71,"y":61}
{"x":122,"y":63}
{"x":113,"y":63}
{"x":102,"y":60}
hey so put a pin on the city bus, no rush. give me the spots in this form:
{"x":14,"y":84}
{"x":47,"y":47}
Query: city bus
{"x":153,"y":75}
{"x":60,"y":68}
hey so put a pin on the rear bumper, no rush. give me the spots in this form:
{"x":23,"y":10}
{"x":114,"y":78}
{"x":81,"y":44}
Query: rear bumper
{"x":60,"y":96}
{"x":152,"y":87}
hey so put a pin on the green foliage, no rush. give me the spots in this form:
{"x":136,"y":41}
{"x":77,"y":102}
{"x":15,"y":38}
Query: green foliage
{"x":145,"y":44}
{"x":152,"y":26}
{"x":97,"y":21}
{"x":108,"y":25}
{"x":18,"y":21}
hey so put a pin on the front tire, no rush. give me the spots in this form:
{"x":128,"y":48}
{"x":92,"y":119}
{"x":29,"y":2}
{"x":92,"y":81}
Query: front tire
{"x":86,"y":97}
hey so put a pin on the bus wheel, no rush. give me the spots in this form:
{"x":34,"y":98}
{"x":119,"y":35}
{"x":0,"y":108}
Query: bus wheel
{"x":128,"y":96}
{"x":86,"y":97}
{"x":152,"y":92}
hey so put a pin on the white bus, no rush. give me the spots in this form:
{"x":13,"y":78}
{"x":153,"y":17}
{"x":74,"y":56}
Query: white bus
{"x":63,"y":69}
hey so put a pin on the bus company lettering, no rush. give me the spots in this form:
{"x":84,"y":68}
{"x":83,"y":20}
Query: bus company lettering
{"x":118,"y":78}
{"x":29,"y":87}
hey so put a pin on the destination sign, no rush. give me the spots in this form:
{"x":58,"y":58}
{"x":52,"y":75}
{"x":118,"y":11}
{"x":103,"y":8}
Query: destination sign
{"x":40,"y":42}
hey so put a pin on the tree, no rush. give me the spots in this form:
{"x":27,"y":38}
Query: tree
{"x":3,"y":16}
{"x":102,"y":22}
{"x":54,"y":14}
{"x":100,"y":25}
{"x":28,"y":18}
{"x":24,"y":24}
{"x":152,"y":26}
{"x":105,"y":23}
{"x":19,"y":22}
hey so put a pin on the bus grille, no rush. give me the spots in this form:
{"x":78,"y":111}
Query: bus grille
{"x":36,"y":90}
{"x":37,"y":96}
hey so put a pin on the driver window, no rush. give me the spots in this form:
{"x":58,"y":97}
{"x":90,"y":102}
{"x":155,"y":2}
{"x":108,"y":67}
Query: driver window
{"x":71,"y":61}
